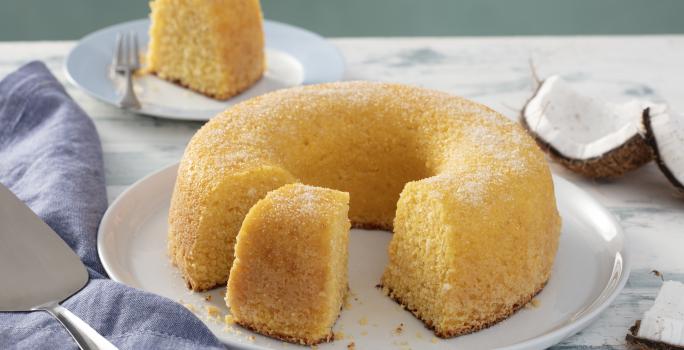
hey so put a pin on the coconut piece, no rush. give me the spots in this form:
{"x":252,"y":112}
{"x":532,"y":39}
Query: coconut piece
{"x":662,"y":326}
{"x":665,"y":134}
{"x":587,"y":135}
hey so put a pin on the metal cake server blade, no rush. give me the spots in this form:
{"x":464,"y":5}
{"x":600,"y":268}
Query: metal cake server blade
{"x":38,"y":270}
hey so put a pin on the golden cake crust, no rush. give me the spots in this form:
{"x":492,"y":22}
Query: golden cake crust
{"x":470,"y":329}
{"x":206,"y":92}
{"x":461,"y":186}
{"x":283,"y":337}
{"x":371,"y":226}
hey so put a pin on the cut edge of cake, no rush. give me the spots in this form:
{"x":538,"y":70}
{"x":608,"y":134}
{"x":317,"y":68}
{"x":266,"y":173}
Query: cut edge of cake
{"x":236,"y":72}
{"x":335,"y":284}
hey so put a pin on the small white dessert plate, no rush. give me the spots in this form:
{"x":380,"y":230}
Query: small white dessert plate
{"x":294,"y":57}
{"x":592,"y":266}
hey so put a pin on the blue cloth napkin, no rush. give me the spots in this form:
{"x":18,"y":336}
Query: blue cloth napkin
{"x":51,"y":158}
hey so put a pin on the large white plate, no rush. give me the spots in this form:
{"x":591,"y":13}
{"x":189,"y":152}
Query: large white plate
{"x":294,"y":57}
{"x":591,"y":268}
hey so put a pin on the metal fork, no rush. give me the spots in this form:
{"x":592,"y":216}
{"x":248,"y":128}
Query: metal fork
{"x":127,"y":61}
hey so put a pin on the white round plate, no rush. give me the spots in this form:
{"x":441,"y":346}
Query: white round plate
{"x":591,"y":268}
{"x":294,"y":57}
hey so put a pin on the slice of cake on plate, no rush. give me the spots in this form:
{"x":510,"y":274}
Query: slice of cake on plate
{"x":213,"y":47}
{"x":289,"y":277}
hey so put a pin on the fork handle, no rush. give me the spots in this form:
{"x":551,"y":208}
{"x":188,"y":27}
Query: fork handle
{"x":129,"y":100}
{"x":85,"y":336}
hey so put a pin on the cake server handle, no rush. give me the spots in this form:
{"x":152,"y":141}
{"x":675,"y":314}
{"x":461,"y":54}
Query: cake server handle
{"x":85,"y":336}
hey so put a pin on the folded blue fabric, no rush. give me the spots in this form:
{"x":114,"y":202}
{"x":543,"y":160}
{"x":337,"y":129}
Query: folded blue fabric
{"x":51,"y":158}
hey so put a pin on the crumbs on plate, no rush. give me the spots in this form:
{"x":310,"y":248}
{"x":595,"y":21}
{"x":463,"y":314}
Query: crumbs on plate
{"x":399,"y":329}
{"x":213,"y":311}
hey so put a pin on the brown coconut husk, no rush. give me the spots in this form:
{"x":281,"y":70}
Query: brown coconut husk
{"x":647,"y":344}
{"x":650,"y":139}
{"x":625,"y":157}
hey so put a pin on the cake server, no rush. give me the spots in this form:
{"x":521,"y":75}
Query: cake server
{"x":38,"y":270}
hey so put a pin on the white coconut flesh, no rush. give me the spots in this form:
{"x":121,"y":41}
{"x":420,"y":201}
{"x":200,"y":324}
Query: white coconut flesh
{"x":578,"y":126}
{"x":664,"y":321}
{"x":667,"y":135}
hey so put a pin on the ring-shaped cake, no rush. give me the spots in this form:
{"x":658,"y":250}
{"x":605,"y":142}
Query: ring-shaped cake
{"x":466,"y":192}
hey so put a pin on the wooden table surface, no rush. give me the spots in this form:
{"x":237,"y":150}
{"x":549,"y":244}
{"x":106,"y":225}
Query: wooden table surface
{"x":496,"y":72}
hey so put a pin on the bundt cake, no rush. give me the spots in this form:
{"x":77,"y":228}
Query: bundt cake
{"x":476,"y":226}
{"x":289,"y":276}
{"x":213,"y":47}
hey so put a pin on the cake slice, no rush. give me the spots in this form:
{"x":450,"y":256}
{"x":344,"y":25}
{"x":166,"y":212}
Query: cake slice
{"x":213,"y":47}
{"x":289,"y":276}
{"x":466,"y":259}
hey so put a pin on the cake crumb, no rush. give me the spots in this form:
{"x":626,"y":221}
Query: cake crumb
{"x":434,"y":340}
{"x":229,"y":320}
{"x":190,"y":307}
{"x":231,"y":330}
{"x":419,"y":335}
{"x":338,"y":335}
{"x":385,"y":290}
{"x":213,"y":311}
{"x":313,"y":347}
{"x":364,"y":333}
{"x":399,"y":329}
{"x":351,"y":294}
{"x":533,"y":304}
{"x":363,"y":321}
{"x":207,"y":297}
{"x":351,"y":346}
{"x":252,"y":338}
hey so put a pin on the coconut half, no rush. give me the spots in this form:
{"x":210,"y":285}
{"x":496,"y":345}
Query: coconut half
{"x":662,"y":326}
{"x":587,"y":135}
{"x":665,"y":134}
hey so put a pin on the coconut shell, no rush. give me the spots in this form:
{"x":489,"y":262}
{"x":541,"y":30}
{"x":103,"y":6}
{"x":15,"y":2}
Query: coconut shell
{"x":653,"y":143}
{"x":647,"y":344}
{"x":626,"y":157}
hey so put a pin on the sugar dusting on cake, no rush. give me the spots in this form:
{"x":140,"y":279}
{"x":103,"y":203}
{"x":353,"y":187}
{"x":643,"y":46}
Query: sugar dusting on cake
{"x":484,"y":157}
{"x":301,"y":202}
{"x":502,"y":148}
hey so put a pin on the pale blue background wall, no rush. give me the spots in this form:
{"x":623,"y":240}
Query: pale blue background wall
{"x":71,"y":19}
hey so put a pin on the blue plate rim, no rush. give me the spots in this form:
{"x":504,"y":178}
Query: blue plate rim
{"x":335,"y":62}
